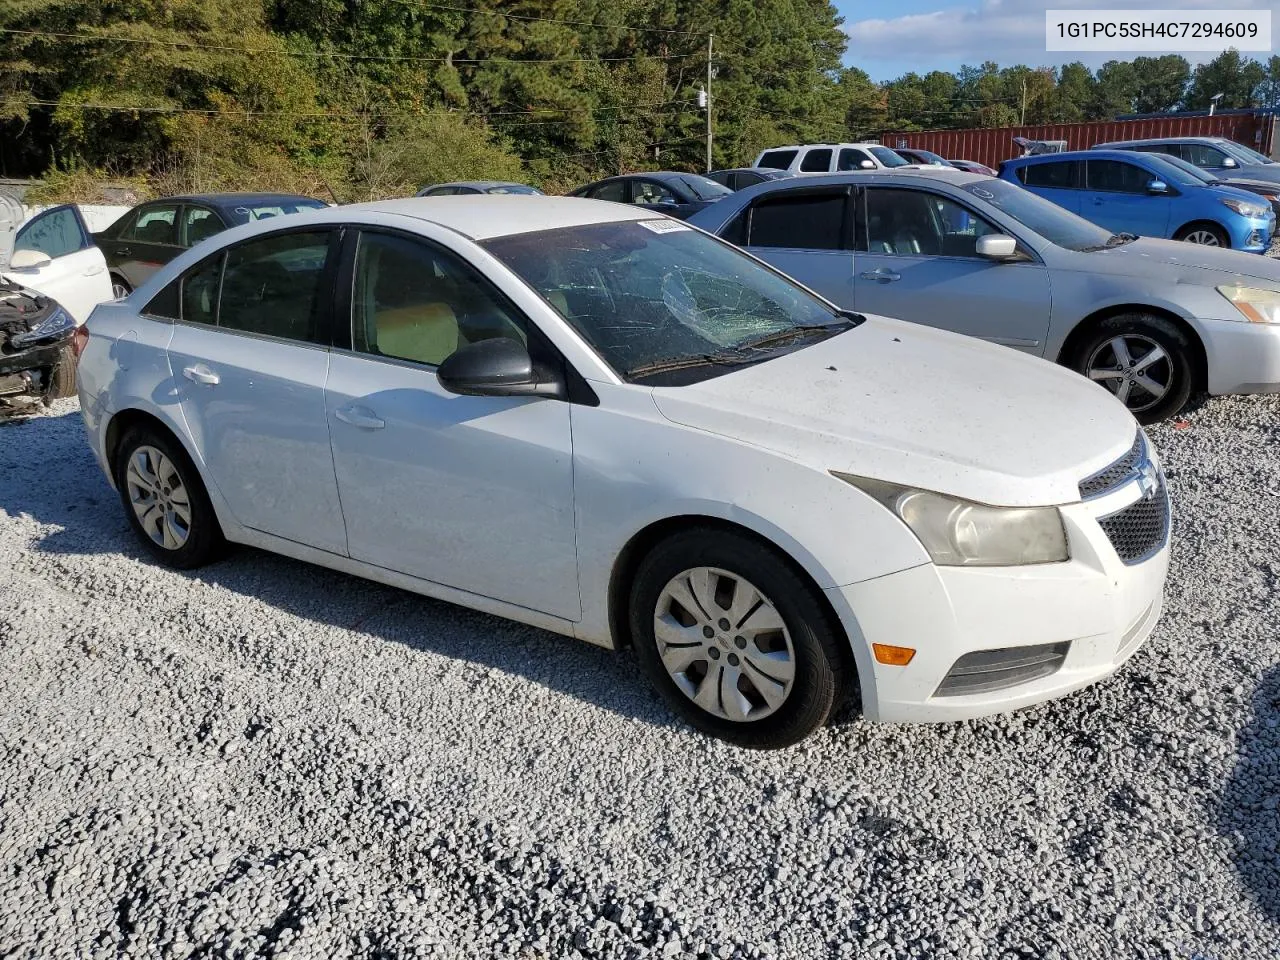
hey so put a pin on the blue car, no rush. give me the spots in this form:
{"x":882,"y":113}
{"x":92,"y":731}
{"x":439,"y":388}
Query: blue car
{"x":1145,"y":194}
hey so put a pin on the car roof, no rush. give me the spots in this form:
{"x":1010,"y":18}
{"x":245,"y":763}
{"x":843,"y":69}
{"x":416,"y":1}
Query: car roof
{"x":486,"y":216}
{"x":951,"y":175}
{"x":234,"y":199}
{"x":806,"y":146}
{"x":1096,"y":153}
{"x":476,"y":184}
{"x":1150,"y":140}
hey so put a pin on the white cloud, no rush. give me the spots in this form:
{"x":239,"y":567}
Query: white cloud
{"x":1007,"y":31}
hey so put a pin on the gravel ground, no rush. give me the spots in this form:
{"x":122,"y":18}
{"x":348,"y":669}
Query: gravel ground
{"x":266,"y":759}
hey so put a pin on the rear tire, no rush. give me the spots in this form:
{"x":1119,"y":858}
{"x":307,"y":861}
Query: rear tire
{"x":1131,"y":353}
{"x":1205,"y":234}
{"x":165,"y":500}
{"x":120,"y":287}
{"x":752,"y":655}
{"x":62,"y":379}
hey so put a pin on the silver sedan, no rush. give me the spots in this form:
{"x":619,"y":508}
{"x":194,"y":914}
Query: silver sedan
{"x":1151,"y":320}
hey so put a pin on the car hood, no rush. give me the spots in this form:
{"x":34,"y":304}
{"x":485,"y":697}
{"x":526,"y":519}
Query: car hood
{"x":1269,"y":172}
{"x":1172,"y":261}
{"x":921,"y":407}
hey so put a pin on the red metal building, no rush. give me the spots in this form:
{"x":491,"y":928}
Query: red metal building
{"x":990,"y":146}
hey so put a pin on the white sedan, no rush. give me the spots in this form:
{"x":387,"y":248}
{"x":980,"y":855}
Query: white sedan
{"x":608,"y":424}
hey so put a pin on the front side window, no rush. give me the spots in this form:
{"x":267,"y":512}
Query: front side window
{"x":816,"y":161}
{"x":806,"y":221}
{"x":252,"y":213}
{"x":656,"y":298}
{"x":1202,"y":155}
{"x":1055,"y":176}
{"x":777,"y":159}
{"x":851,"y":159}
{"x":648,"y":193}
{"x":412,"y":301}
{"x":1116,"y":176}
{"x":918,"y":223}
{"x":271,"y":286}
{"x":704,"y":188}
{"x":155,"y":224}
{"x":56,"y":233}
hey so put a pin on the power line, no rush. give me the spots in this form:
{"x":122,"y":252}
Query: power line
{"x":319,"y":55}
{"x":418,"y":4}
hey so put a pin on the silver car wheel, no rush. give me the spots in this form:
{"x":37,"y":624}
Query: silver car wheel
{"x":119,"y":291}
{"x":1133,"y":367}
{"x":1207,"y":237}
{"x":724,"y":644}
{"x":159,"y":497}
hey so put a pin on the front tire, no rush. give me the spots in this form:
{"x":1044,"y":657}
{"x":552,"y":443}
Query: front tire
{"x":165,"y":499}
{"x":1205,"y":234}
{"x":62,"y":379}
{"x":735,"y":639}
{"x":120,"y":287}
{"x":1142,"y":358}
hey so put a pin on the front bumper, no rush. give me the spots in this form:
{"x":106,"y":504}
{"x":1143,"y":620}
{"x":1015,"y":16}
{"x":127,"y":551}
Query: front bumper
{"x":28,"y":372}
{"x":1242,"y":357}
{"x":1253,"y":234}
{"x":1099,"y":607}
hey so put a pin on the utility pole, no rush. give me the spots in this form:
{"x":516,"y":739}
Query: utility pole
{"x":711,"y":39}
{"x":1023,"y":119}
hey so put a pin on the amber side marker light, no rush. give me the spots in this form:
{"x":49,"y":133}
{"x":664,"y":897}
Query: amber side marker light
{"x":79,"y":339}
{"x":893,"y":656}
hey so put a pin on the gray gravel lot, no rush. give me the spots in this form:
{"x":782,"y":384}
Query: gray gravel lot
{"x":266,"y":759}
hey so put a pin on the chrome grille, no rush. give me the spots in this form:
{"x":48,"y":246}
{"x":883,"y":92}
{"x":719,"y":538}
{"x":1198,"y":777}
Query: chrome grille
{"x":1140,"y":529}
{"x":1117,"y":474}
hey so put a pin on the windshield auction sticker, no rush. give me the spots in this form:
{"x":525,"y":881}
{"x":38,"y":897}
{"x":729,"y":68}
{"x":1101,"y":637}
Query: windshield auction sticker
{"x":1162,"y":31}
{"x":662,"y":226}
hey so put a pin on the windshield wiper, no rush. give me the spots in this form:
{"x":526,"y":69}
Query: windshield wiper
{"x":1115,"y":240}
{"x":848,"y":322}
{"x":726,"y":358}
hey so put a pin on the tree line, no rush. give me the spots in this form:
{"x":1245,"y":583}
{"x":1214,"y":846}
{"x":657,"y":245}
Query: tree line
{"x":363,"y":99}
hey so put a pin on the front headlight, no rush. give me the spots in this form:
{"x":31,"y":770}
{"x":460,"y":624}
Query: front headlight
{"x":1245,"y":208}
{"x":960,"y":533}
{"x":1257,"y":305}
{"x":51,"y":327}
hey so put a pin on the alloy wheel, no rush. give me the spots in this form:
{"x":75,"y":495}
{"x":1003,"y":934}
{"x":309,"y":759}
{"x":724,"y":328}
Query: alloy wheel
{"x":1133,"y":367}
{"x":158,"y":497}
{"x":1206,"y":237}
{"x":119,"y":291}
{"x":724,"y":644}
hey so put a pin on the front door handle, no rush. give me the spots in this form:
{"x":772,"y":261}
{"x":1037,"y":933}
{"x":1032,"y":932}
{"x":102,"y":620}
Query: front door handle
{"x":123,"y":251}
{"x":199,"y":373}
{"x":881,"y":275}
{"x":361,"y":417}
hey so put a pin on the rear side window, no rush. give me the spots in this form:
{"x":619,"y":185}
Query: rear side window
{"x":1116,"y":176}
{"x":157,"y":224}
{"x":199,"y":294}
{"x":806,"y":222}
{"x":271,"y":286}
{"x":1059,"y":176}
{"x":816,"y":161}
{"x":777,"y":159}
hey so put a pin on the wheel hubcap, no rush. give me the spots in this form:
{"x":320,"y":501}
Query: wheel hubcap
{"x":724,"y":644}
{"x":158,"y":497}
{"x":1133,"y":367}
{"x":1208,"y":238}
{"x":119,"y":291}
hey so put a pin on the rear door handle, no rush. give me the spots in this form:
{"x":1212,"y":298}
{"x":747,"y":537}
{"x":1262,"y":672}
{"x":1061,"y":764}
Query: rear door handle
{"x":123,"y":251}
{"x":881,"y":275}
{"x":199,"y":373}
{"x":361,"y":417}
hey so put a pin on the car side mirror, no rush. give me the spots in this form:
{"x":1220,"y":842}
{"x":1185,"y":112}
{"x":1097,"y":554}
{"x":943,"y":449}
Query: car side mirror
{"x":997,"y":246}
{"x":498,"y":367}
{"x":1157,"y":186}
{"x":1229,"y":163}
{"x":29,"y":260}
{"x":866,"y":165}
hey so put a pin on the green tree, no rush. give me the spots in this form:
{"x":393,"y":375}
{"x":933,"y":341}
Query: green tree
{"x":1114,"y":89}
{"x":1159,"y":82}
{"x":1234,"y":76}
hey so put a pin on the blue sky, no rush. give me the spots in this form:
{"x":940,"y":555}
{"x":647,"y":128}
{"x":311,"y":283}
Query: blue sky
{"x":889,"y":39}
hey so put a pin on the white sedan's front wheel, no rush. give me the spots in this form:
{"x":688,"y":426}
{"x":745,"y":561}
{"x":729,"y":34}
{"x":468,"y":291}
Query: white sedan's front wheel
{"x":735,"y":638}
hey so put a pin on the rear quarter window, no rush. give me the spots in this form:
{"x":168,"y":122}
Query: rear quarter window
{"x":777,"y":159}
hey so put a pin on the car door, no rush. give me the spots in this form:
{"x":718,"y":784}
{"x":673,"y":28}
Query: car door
{"x":475,"y":493}
{"x":199,"y":223}
{"x":1058,"y":181}
{"x":651,"y":193}
{"x":62,"y":261}
{"x":807,"y":234}
{"x":249,"y":356}
{"x":145,"y":244}
{"x":1206,"y":157}
{"x":916,"y":260}
{"x":1117,"y":198}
